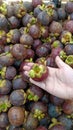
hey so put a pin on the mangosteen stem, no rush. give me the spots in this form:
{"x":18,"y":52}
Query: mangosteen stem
{"x":54,"y":122}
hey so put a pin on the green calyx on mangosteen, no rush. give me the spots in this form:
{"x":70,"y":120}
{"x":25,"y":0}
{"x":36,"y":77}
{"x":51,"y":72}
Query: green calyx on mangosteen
{"x":69,"y":60}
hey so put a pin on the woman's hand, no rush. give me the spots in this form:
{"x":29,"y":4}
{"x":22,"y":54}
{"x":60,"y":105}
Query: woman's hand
{"x":59,"y":82}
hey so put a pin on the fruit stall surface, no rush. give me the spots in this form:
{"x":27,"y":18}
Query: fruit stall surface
{"x":32,"y":31}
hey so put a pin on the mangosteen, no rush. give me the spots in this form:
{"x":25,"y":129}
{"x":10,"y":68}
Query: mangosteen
{"x":18,"y":97}
{"x":55,"y":28}
{"x":69,"y":7}
{"x":67,"y":122}
{"x":39,"y":110}
{"x":14,"y":22}
{"x":42,"y":51}
{"x":34,"y":31}
{"x":67,"y":107}
{"x":34,"y":93}
{"x":28,"y":5}
{"x":54,"y":111}
{"x":18,"y":51}
{"x":56,"y":44}
{"x":55,"y":15}
{"x":65,"y":37}
{"x":2,"y":37}
{"x":31,"y":123}
{"x":44,"y":31}
{"x":37,"y":10}
{"x":44,"y":18}
{"x":26,"y":19}
{"x":3,"y":22}
{"x":69,"y":49}
{"x":30,"y":53}
{"x":6,"y":59}
{"x":4,"y":122}
{"x":26,"y":40}
{"x":35,"y":3}
{"x":37,"y":42}
{"x":69,"y":26}
{"x":4,"y":103}
{"x":61,"y":14}
{"x":18,"y":83}
{"x":19,"y":10}
{"x":13,"y":36}
{"x":5,"y":86}
{"x":56,"y":101}
{"x":16,"y":115}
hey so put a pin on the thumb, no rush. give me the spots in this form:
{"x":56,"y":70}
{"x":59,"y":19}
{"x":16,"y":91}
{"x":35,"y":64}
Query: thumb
{"x":60,"y":63}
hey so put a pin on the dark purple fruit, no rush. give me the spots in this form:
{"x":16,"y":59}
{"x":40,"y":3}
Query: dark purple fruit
{"x":69,"y":26}
{"x":4,"y":122}
{"x":18,"y":83}
{"x":26,"y":19}
{"x":56,"y":44}
{"x":31,"y":122}
{"x":66,"y":122}
{"x":54,"y":111}
{"x":18,"y":51}
{"x":58,"y":127}
{"x":6,"y":59}
{"x":14,"y":22}
{"x":44,"y":31}
{"x":34,"y":93}
{"x":37,"y":10}
{"x":68,"y":107}
{"x":4,"y":103}
{"x":41,"y":128}
{"x":16,"y":116}
{"x":65,"y":37}
{"x":18,"y":97}
{"x":26,"y":40}
{"x":55,"y":52}
{"x":36,"y":43}
{"x":39,"y":110}
{"x":44,"y":18}
{"x":61,"y":14}
{"x":30,"y":53}
{"x":2,"y":37}
{"x":56,"y":101}
{"x":45,"y":121}
{"x":7,"y":9}
{"x":19,"y":10}
{"x":35,"y":3}
{"x":45,"y":98}
{"x":10,"y":72}
{"x":42,"y":51}
{"x":5,"y":86}
{"x":55,"y":15}
{"x":69,"y":49}
{"x":28,"y":5}
{"x":34,"y":31}
{"x":13,"y":36}
{"x":3,"y":22}
{"x":55,"y":28}
{"x":69,"y":7}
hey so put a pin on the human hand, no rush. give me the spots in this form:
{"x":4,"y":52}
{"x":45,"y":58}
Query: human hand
{"x":59,"y":82}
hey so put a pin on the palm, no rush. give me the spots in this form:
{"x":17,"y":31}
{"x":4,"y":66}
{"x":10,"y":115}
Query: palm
{"x":59,"y":81}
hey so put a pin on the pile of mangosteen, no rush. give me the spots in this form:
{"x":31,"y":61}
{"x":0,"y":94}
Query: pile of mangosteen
{"x":34,"y":32}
